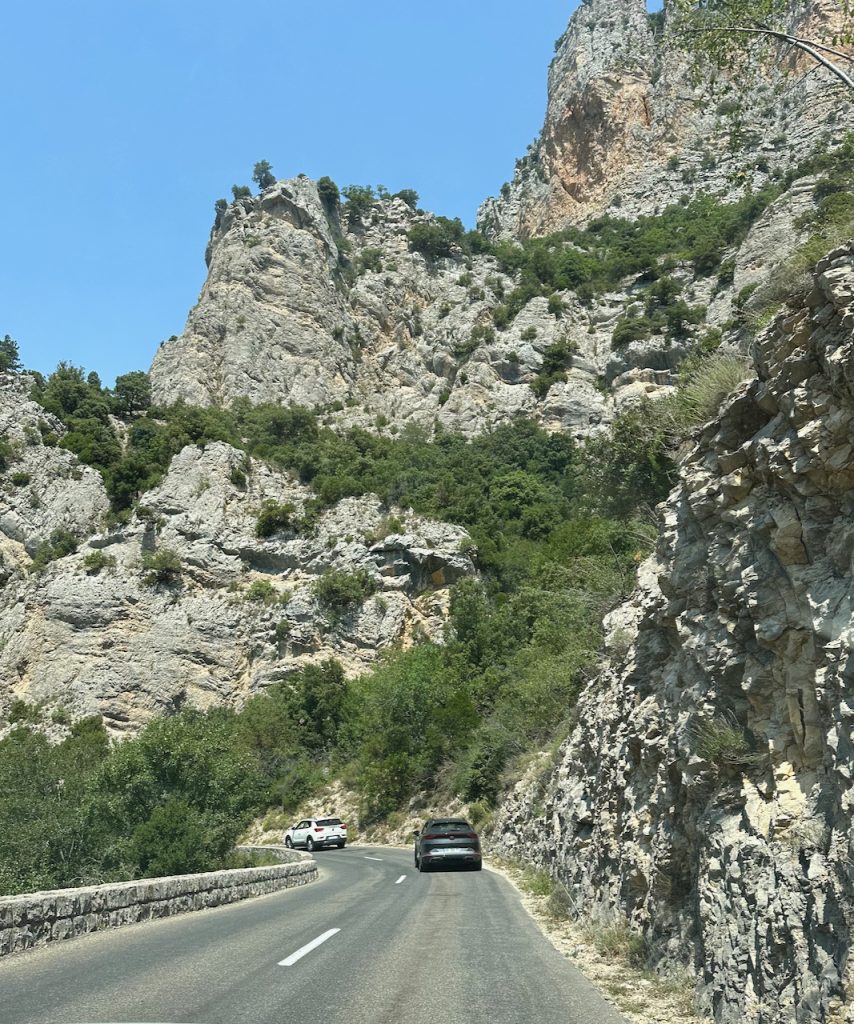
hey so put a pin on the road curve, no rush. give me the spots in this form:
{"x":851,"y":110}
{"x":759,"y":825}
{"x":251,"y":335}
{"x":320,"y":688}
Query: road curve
{"x":372,"y":942}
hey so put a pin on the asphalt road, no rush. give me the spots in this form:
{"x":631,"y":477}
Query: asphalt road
{"x":447,"y":947}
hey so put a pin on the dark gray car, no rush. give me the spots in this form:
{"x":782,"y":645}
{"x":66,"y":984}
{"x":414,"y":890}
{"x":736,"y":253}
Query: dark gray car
{"x":450,"y":841}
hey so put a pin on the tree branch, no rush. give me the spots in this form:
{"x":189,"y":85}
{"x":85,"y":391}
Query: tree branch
{"x":800,"y":44}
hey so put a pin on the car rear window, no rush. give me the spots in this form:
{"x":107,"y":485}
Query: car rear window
{"x":451,"y":826}
{"x":328,"y":821}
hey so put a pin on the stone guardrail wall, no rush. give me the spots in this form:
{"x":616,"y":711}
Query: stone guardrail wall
{"x":34,"y":919}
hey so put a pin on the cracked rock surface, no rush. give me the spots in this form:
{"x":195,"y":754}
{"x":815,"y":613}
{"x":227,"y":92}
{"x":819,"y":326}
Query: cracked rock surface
{"x":737,"y":857}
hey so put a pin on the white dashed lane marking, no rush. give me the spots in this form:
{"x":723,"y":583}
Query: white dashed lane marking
{"x":308,"y":947}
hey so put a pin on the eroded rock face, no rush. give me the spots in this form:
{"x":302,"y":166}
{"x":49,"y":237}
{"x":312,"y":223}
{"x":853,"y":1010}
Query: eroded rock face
{"x":387,"y":339}
{"x":742,"y":619}
{"x":108,"y":642}
{"x":45,"y":488}
{"x":300,"y":308}
{"x":628,"y":131}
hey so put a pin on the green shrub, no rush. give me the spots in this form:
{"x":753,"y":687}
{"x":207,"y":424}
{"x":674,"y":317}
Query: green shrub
{"x":723,"y":743}
{"x":370,"y":259}
{"x":437,"y":238}
{"x":23,"y":713}
{"x":360,"y":199}
{"x":19,"y":479}
{"x":339,"y":591}
{"x":272,"y":517}
{"x":262,"y":592}
{"x":60,"y":716}
{"x":629,"y":329}
{"x":96,"y":560}
{"x":7,"y":454}
{"x":161,"y":566}
{"x":501,"y":316}
{"x":556,"y":358}
{"x":328,"y":191}
{"x":409,"y":196}
{"x":61,"y":543}
{"x":528,"y":334}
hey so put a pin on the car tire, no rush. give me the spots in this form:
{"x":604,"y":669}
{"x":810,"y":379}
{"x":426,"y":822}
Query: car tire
{"x":422,"y":867}
{"x":289,"y":842}
{"x":476,"y":867}
{"x":342,"y":845}
{"x":309,"y":844}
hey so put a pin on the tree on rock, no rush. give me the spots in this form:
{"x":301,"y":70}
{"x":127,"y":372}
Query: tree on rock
{"x":241,"y":192}
{"x":328,"y":191}
{"x":10,"y":361}
{"x":263,"y":175}
{"x":723,"y":31}
{"x":132,"y":393}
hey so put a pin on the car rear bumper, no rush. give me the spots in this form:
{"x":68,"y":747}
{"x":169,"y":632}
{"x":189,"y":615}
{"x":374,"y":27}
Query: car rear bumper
{"x":448,"y":856}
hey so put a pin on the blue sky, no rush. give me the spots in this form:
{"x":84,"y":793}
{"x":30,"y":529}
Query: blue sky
{"x":124,"y":120}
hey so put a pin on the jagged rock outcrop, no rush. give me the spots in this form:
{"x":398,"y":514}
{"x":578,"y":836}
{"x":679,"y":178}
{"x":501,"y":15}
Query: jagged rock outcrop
{"x":705,"y":791}
{"x":397,"y":343}
{"x":314,"y":303}
{"x":106,"y":639}
{"x":629,"y":130}
{"x":46,"y":488}
{"x":300,"y":308}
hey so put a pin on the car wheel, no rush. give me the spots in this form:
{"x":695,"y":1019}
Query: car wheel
{"x":477,"y":866}
{"x":289,"y":842}
{"x":341,"y":845}
{"x":422,"y":867}
{"x":309,"y":844}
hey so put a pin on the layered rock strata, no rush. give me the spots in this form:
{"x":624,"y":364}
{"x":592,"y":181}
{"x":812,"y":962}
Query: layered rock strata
{"x":705,"y":792}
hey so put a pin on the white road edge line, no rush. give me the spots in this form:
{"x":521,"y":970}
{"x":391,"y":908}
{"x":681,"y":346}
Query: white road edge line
{"x":308,"y":947}
{"x":373,"y":858}
{"x":400,"y":879}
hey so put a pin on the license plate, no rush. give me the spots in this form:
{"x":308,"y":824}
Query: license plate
{"x":451,"y":852}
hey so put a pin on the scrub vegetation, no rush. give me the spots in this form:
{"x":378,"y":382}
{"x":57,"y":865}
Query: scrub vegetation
{"x":557,"y":534}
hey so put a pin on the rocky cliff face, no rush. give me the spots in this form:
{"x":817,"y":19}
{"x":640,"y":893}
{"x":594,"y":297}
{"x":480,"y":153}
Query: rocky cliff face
{"x":106,"y":640}
{"x":627,"y":131}
{"x":384,"y":338}
{"x":306,"y":303}
{"x":706,"y":789}
{"x":300,"y":308}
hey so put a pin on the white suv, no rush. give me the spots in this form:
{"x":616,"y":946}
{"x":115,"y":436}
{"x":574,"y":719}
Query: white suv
{"x":315,"y":833}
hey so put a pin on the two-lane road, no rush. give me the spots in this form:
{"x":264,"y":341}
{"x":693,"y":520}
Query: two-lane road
{"x":372,"y":942}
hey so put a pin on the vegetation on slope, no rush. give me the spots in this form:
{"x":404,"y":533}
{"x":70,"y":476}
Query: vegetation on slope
{"x":558,"y":545}
{"x":561,"y":533}
{"x":558,"y":533}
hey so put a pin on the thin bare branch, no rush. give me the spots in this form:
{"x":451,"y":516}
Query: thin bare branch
{"x":800,"y":44}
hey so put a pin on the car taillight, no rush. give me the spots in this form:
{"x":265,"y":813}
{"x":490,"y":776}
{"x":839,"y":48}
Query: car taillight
{"x":343,"y":826}
{"x":318,"y":830}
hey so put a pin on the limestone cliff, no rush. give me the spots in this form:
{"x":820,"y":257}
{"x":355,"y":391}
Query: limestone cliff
{"x":300,"y":308}
{"x":706,"y":789}
{"x":97,"y":635}
{"x":629,"y":129}
{"x":347,"y":319}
